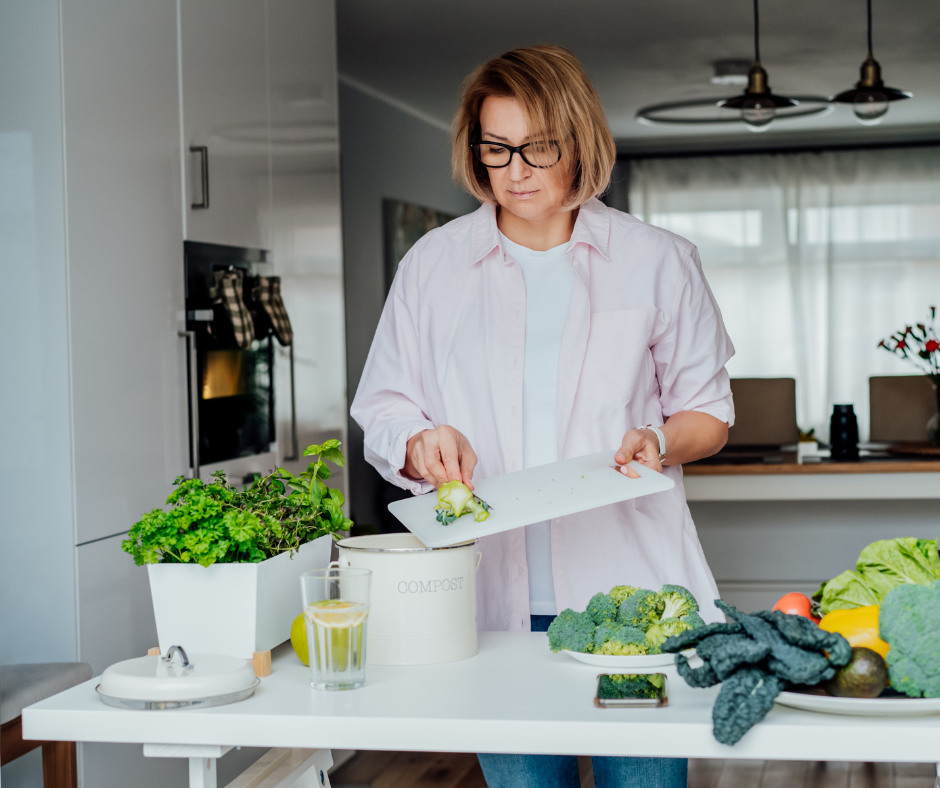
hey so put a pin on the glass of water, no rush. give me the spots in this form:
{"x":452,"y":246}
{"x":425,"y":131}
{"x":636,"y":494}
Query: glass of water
{"x":336,"y":611}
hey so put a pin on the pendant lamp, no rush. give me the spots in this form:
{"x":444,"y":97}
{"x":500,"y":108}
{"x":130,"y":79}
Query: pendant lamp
{"x":758,"y":105}
{"x":870,"y":98}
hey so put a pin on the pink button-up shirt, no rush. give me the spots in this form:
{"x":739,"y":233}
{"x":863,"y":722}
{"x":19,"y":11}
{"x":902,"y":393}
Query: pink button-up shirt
{"x":643,"y":339}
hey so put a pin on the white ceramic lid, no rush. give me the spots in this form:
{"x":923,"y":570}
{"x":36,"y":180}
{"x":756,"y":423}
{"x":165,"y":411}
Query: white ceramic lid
{"x":155,"y":679}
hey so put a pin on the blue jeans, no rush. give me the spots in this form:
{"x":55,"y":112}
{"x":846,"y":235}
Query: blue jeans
{"x":561,"y":771}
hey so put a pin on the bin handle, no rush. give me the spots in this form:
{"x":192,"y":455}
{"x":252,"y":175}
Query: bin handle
{"x":479,"y":556}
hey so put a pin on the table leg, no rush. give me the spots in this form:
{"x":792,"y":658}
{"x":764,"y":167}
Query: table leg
{"x":202,"y":773}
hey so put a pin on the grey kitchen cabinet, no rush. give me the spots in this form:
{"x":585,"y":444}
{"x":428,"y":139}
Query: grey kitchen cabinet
{"x":223,"y":57}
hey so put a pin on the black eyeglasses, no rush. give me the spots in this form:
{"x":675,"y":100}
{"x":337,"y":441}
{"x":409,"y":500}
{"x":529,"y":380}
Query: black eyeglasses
{"x":535,"y":154}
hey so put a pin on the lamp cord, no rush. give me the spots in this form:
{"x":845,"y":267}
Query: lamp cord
{"x":757,"y":33}
{"x":869,"y":27}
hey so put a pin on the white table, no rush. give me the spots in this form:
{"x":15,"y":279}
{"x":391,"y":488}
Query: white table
{"x":514,"y":696}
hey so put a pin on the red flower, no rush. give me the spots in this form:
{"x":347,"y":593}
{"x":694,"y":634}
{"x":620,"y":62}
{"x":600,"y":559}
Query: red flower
{"x":931,"y":345}
{"x":900,"y":345}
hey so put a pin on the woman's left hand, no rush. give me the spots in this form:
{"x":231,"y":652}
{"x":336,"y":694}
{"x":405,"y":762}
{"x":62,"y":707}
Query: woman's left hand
{"x":642,"y":446}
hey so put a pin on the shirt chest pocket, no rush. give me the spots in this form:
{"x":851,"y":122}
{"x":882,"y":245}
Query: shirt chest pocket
{"x":617,"y":361}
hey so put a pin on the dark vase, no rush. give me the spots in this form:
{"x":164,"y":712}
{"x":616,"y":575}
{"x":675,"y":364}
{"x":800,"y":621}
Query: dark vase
{"x":933,"y":426}
{"x":843,"y":433}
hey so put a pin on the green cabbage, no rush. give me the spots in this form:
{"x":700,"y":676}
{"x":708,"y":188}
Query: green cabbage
{"x":881,"y":567}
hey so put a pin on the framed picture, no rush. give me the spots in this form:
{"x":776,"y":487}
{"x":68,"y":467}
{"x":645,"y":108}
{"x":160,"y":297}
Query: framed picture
{"x":404,"y":223}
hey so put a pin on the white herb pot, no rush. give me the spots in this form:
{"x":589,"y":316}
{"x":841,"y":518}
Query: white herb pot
{"x":234,"y":609}
{"x":423,"y":600}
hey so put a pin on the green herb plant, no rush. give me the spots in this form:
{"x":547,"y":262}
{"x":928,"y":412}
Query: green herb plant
{"x":213,"y":522}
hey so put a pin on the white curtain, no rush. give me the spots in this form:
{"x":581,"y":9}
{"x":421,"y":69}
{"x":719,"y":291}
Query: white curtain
{"x":813,"y":258}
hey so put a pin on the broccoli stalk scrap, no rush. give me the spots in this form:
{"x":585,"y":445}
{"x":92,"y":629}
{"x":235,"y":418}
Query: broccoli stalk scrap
{"x":455,"y":499}
{"x":909,"y":621}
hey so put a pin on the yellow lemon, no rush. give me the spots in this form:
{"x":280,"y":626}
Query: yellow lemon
{"x":298,"y":639}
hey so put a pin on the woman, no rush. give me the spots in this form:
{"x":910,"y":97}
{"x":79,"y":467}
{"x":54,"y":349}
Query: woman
{"x":545,"y":326}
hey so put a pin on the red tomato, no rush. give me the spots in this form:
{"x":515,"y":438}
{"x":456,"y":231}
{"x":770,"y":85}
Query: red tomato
{"x":796,"y":605}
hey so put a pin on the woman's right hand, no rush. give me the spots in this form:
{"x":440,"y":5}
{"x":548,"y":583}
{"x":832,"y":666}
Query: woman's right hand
{"x":439,"y":456}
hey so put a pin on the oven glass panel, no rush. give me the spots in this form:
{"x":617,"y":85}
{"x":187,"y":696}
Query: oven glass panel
{"x":234,"y":402}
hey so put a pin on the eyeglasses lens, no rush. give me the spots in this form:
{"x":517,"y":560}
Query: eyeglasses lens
{"x":536,"y":154}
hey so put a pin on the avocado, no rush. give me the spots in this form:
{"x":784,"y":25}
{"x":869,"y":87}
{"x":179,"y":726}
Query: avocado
{"x":865,"y":676}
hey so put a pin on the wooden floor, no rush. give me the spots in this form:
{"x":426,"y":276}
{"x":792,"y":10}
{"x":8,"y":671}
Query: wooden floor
{"x":460,"y":770}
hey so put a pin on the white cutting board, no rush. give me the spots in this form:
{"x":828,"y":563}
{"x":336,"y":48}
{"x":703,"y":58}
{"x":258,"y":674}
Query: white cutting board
{"x":531,"y":496}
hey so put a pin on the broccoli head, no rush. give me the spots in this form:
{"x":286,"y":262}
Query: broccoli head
{"x":665,"y":628}
{"x":694,"y":620}
{"x":641,"y":610}
{"x":617,"y":648}
{"x":601,"y":608}
{"x":630,"y":686}
{"x":613,"y":638}
{"x":619,"y":593}
{"x":571,"y":631}
{"x":455,"y":499}
{"x":909,"y":621}
{"x":744,"y":700}
{"x":679,"y":601}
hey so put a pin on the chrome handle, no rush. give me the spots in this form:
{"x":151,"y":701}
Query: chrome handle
{"x":293,"y":411}
{"x":190,"y":337}
{"x":184,"y":660}
{"x":203,"y":152}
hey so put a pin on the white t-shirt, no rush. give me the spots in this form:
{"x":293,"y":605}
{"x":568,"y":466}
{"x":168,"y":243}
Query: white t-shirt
{"x":549,"y":279}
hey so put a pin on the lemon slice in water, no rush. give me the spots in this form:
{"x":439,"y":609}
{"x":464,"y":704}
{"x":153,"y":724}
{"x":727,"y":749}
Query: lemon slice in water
{"x":336,"y":613}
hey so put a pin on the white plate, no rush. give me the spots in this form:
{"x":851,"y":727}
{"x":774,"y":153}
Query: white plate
{"x":625,"y":663}
{"x":532,"y":496}
{"x":861,"y":707}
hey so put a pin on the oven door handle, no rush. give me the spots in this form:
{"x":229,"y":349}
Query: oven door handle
{"x":292,"y":457}
{"x":193,"y":365}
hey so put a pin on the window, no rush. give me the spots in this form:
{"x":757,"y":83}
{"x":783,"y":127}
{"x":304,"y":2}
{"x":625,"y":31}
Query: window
{"x":813,"y":258}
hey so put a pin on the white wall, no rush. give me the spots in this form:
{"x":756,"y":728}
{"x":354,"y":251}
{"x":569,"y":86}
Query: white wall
{"x":384,"y":152}
{"x":761,"y":550}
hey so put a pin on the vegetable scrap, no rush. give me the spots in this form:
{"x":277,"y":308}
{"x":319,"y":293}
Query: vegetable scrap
{"x":454,"y":500}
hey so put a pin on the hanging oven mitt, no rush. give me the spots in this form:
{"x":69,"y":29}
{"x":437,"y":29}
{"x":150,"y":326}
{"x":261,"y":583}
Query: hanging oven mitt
{"x":267,"y":294}
{"x":228,"y":292}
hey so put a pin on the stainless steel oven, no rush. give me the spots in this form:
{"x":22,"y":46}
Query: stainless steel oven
{"x":230,"y":354}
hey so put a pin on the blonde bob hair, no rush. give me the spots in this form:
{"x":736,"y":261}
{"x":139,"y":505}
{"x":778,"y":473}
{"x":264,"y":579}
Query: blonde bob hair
{"x":558,"y":100}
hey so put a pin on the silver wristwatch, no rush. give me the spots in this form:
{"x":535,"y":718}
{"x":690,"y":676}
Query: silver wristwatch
{"x":662,"y":439}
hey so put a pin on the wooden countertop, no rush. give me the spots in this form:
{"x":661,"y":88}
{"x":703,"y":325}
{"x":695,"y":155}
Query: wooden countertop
{"x":789,"y":466}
